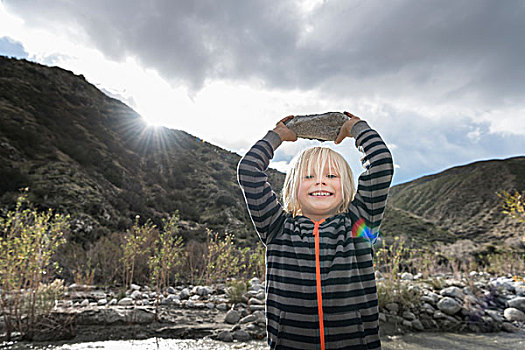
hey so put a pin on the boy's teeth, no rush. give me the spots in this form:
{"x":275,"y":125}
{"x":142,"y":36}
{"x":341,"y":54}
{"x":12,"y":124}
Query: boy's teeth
{"x":320,"y":194}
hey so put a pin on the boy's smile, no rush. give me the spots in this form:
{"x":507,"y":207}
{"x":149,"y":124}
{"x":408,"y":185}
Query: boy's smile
{"x":320,"y":197}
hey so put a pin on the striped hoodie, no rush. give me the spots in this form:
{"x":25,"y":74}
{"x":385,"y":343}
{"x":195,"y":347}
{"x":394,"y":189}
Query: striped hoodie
{"x":320,"y":285}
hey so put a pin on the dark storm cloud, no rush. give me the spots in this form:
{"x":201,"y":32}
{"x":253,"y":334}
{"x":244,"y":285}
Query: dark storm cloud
{"x":435,"y":50}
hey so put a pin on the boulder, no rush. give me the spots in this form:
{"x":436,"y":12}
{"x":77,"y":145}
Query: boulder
{"x":518,"y":303}
{"x":449,"y":305}
{"x":232,"y":317}
{"x":513,"y":314}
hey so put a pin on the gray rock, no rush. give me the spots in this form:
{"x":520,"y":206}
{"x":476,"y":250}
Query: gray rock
{"x":255,"y":301}
{"x":392,"y":307}
{"x":232,"y":317}
{"x":449,"y":306}
{"x":203,"y":290}
{"x":518,"y":303}
{"x":102,"y":302}
{"x":125,"y":301}
{"x":241,"y":335}
{"x":136,"y":295}
{"x":323,"y":127}
{"x":171,"y":290}
{"x":429,"y":309}
{"x":454,"y":292}
{"x":210,"y":305}
{"x":256,"y":308}
{"x":113,"y":302}
{"x":185,"y":293}
{"x":249,"y":318}
{"x":225,"y":336}
{"x":222,"y":307}
{"x":509,"y":327}
{"x":261,"y":295}
{"x":84,"y":303}
{"x":513,"y":314}
{"x":407,"y":276}
{"x":495,"y":315}
{"x":416,"y":324}
{"x":408,"y":315}
{"x":135,"y":287}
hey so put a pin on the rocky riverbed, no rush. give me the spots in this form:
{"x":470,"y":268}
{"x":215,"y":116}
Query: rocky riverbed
{"x":477,"y":303}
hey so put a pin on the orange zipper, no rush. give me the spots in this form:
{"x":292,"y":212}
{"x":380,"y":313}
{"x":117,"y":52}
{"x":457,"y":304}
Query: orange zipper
{"x":318,"y":282}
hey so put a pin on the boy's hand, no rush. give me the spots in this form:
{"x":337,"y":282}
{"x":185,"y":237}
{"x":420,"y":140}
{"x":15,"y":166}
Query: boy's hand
{"x":347,"y":128}
{"x":283,"y":131}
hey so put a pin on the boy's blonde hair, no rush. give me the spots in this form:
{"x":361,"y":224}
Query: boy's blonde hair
{"x":312,"y":161}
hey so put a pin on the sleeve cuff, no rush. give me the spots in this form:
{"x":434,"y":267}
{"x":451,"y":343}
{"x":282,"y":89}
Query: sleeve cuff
{"x":358,"y":128}
{"x":273,"y":138}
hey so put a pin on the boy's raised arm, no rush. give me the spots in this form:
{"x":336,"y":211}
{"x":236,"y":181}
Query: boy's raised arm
{"x":374,"y":183}
{"x":265,"y":210}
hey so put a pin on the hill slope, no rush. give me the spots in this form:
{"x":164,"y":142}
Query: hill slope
{"x":82,"y":152}
{"x":458,"y":203}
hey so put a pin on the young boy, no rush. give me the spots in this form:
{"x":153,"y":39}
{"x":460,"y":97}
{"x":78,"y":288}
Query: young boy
{"x":320,"y":283}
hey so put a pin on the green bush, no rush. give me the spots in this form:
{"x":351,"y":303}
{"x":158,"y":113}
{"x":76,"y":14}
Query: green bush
{"x":28,"y":241}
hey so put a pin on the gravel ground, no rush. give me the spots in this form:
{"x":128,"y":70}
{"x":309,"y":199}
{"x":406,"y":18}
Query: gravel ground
{"x":415,"y":341}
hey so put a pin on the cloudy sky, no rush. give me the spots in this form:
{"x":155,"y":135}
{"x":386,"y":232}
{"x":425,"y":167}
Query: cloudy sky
{"x":442,"y":81}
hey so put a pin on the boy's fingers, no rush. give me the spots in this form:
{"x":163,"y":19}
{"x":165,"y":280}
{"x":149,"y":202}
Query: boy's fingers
{"x":340,"y":137}
{"x":350,"y":114}
{"x":285,"y":119}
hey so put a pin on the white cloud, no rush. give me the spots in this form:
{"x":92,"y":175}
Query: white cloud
{"x":447,"y":93}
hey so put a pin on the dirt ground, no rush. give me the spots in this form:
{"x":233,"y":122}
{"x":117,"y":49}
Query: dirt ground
{"x":453,"y":341}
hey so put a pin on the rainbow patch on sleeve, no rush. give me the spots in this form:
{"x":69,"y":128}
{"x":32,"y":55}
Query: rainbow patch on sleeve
{"x":360,"y":229}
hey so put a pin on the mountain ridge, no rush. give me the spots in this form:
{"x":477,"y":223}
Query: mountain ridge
{"x":88,"y":154}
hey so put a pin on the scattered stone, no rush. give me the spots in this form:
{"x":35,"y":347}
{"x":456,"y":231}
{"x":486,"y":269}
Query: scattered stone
{"x":136,"y":295}
{"x":518,"y":303}
{"x":171,"y":290}
{"x":185,"y":293}
{"x":102,"y":302}
{"x":449,"y":306}
{"x":125,"y":301}
{"x":509,"y":327}
{"x":392,"y":307}
{"x":222,"y":307}
{"x":409,"y":315}
{"x":407,"y":276}
{"x":513,"y":314}
{"x":416,"y":324}
{"x":255,"y":301}
{"x":256,"y":308}
{"x":249,"y":318}
{"x":232,"y":317}
{"x":84,"y":303}
{"x":225,"y":336}
{"x":135,"y":287}
{"x":495,"y":315}
{"x":241,"y":335}
{"x":453,"y":291}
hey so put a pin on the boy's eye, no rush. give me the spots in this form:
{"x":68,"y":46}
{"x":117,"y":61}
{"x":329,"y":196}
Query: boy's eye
{"x":331,"y":176}
{"x":309,"y":177}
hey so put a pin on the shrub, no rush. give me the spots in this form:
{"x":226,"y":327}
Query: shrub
{"x":28,"y":242}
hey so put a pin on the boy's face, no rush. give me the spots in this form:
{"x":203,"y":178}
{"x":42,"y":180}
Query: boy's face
{"x":320,"y":196}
